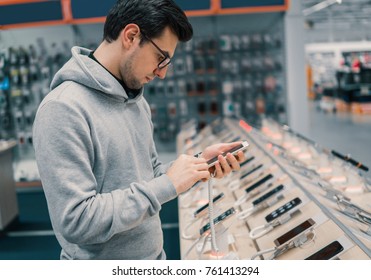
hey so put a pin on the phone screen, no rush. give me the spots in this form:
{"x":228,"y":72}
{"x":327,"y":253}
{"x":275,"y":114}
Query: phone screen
{"x":202,"y":208}
{"x":218,"y":219}
{"x":267,"y":195}
{"x":259,"y":183}
{"x":294,"y":232}
{"x":327,"y":252}
{"x":247,"y":161}
{"x":251,"y":171}
{"x":283,"y":209}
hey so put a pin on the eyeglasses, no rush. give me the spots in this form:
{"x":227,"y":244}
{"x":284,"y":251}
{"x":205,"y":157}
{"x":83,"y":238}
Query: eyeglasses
{"x":164,"y":62}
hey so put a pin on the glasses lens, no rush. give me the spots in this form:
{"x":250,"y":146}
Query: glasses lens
{"x":164,"y":63}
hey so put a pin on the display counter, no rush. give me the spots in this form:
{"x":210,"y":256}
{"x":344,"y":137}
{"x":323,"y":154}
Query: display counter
{"x":8,"y":198}
{"x":291,"y":199}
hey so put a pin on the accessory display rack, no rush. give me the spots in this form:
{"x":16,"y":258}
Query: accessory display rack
{"x":285,"y":180}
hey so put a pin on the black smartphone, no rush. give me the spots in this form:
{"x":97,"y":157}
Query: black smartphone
{"x":251,"y":171}
{"x":283,"y":209}
{"x":259,"y":183}
{"x":218,"y":219}
{"x":291,"y":234}
{"x":240,"y":147}
{"x":267,"y":195}
{"x":201,"y":210}
{"x":247,"y":161}
{"x":327,"y":252}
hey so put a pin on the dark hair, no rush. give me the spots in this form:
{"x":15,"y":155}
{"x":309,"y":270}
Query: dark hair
{"x":152,"y":16}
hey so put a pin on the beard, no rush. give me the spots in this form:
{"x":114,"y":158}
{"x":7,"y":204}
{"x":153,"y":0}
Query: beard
{"x":127,"y":75}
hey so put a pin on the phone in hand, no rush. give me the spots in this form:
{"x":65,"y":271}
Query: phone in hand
{"x":240,"y":147}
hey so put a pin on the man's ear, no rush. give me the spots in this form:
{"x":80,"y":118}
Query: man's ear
{"x":129,"y":35}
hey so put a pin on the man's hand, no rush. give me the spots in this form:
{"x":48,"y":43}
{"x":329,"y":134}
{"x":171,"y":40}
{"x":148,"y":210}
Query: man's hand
{"x":226,"y":165}
{"x":186,"y":171}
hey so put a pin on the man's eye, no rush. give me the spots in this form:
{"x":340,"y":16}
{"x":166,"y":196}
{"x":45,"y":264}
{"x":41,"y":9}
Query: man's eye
{"x":160,"y":58}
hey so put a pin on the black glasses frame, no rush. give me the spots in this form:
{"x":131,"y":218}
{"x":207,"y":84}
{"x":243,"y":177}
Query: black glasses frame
{"x":166,"y":61}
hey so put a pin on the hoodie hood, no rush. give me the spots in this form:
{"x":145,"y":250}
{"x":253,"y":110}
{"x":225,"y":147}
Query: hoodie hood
{"x":85,"y":71}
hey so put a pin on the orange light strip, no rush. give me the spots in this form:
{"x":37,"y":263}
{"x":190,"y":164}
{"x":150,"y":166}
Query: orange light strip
{"x":199,"y":13}
{"x":88,"y":20}
{"x":252,"y":10}
{"x":33,"y":24}
{"x":15,"y":2}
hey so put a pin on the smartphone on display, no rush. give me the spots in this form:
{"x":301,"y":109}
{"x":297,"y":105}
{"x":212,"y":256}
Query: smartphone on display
{"x":259,"y":183}
{"x":218,"y":219}
{"x":267,"y":195}
{"x":327,"y":252}
{"x":202,"y":209}
{"x":251,"y":171}
{"x":283,"y":209}
{"x":247,"y":161}
{"x":241,"y":147}
{"x":290,"y":235}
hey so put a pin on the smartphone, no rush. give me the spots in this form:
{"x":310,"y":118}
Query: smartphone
{"x":327,"y":252}
{"x":202,"y":209}
{"x":267,"y":195}
{"x":247,"y":161}
{"x":241,"y":147}
{"x":259,"y":183}
{"x":283,"y":209}
{"x":291,"y":234}
{"x":251,"y":171}
{"x":218,"y":219}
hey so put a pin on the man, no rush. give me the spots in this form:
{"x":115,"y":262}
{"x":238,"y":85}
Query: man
{"x":93,"y":140}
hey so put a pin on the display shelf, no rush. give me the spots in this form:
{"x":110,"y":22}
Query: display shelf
{"x":292,"y":162}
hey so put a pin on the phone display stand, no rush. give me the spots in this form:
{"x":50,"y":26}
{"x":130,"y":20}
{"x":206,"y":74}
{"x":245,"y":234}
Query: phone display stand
{"x":205,"y":250}
{"x":312,"y":180}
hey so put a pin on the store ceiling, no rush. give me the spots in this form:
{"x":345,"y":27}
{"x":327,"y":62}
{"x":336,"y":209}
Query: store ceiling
{"x":350,"y":14}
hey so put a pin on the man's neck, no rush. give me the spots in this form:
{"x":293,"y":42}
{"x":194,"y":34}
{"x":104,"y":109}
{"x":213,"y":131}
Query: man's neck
{"x":106,"y":56}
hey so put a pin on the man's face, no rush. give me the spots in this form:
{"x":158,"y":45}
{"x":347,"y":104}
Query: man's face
{"x":141,"y":66}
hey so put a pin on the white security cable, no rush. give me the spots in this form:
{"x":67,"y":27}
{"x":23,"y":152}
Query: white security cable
{"x":211,"y":216}
{"x":185,"y":234}
{"x":261,"y":253}
{"x":193,"y":245}
{"x":246,"y":213}
{"x":260,"y":231}
{"x":234,"y":185}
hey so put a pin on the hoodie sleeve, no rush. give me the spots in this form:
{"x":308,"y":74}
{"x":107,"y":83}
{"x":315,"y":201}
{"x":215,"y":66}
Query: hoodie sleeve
{"x":65,"y":158}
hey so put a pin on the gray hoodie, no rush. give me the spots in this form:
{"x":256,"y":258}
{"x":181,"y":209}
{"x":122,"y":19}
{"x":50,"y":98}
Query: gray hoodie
{"x":99,"y":167}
